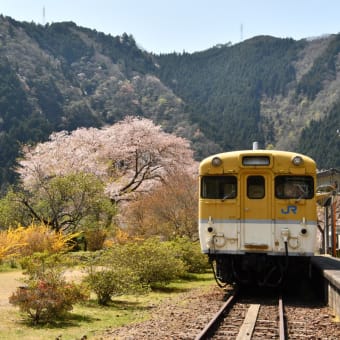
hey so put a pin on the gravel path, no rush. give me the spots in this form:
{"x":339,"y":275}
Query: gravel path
{"x":183,"y":317}
{"x":178,"y":318}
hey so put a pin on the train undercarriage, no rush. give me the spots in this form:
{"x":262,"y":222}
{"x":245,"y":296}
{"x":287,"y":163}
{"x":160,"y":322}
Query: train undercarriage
{"x":262,"y":270}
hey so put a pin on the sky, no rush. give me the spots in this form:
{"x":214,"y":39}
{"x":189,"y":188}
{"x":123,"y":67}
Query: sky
{"x":166,"y":26}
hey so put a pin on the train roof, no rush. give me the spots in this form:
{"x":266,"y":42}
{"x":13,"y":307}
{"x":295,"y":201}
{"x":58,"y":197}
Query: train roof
{"x":279,"y":161}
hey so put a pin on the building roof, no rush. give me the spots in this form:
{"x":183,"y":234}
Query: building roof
{"x":329,"y":172}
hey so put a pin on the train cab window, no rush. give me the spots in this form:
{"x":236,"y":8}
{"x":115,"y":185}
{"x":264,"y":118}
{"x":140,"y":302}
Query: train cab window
{"x":255,"y":187}
{"x":219,"y":187}
{"x":294,"y":187}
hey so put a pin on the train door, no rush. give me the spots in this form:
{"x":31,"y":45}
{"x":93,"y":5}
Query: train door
{"x":256,"y":226}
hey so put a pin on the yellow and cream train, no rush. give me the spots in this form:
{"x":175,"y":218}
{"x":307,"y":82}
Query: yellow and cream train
{"x":257,"y":215}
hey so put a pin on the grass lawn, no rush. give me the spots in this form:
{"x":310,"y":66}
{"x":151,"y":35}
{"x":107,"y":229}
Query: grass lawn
{"x":88,"y":319}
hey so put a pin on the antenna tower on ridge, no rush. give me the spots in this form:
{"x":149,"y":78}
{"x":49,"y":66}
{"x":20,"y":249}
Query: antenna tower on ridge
{"x":241,"y":32}
{"x":44,"y":16}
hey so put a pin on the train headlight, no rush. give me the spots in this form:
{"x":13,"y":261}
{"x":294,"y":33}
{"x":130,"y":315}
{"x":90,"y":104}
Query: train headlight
{"x":303,"y":231}
{"x":297,"y":160}
{"x":216,"y":161}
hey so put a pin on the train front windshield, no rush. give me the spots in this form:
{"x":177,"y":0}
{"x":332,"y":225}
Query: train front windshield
{"x":286,"y":187}
{"x":300,"y":187}
{"x":219,"y":187}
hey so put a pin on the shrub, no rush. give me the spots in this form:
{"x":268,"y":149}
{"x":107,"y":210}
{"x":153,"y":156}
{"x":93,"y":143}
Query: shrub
{"x":47,"y":296}
{"x":26,"y":241}
{"x":40,"y":238}
{"x":191,"y":254}
{"x":109,"y":282}
{"x":134,"y":267}
{"x":46,"y":300}
{"x":154,"y":262}
{"x":10,"y":243}
{"x":95,"y":239}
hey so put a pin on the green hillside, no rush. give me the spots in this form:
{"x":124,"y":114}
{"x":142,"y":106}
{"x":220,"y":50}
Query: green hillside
{"x":280,"y":92}
{"x":223,"y":87}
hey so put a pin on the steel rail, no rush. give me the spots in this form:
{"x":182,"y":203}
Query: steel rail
{"x":213,"y":324}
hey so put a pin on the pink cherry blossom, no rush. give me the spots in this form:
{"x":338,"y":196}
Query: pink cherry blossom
{"x":129,"y":156}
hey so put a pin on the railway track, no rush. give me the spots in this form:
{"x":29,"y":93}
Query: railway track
{"x":184,"y":317}
{"x":241,"y":320}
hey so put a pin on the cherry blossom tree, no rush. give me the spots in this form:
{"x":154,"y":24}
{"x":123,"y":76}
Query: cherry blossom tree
{"x":129,"y":157}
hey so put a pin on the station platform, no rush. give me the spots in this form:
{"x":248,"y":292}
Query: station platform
{"x":329,"y":269}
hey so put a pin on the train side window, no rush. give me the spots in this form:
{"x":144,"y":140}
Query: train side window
{"x":219,"y":187}
{"x":294,"y":187}
{"x":255,"y":187}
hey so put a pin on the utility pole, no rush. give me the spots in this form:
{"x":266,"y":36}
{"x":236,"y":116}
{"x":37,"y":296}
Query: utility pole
{"x":333,"y":219}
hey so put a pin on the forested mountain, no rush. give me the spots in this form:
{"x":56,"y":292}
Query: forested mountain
{"x":281,"y":92}
{"x":263,"y":89}
{"x":224,"y":87}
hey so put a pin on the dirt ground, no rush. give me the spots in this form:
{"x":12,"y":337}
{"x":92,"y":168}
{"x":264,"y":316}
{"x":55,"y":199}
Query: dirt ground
{"x":8,"y":284}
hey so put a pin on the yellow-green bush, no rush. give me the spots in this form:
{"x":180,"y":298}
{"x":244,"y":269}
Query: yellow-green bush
{"x":112,"y":281}
{"x":151,"y":262}
{"x":25,"y":241}
{"x":190,"y":253}
{"x":95,"y":239}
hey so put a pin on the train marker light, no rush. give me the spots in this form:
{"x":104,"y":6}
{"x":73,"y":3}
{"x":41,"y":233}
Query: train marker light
{"x":297,"y":160}
{"x":216,"y":161}
{"x":255,"y":160}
